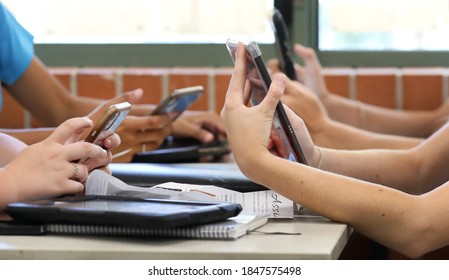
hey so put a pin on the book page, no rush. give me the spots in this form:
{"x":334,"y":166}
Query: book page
{"x":260,"y":203}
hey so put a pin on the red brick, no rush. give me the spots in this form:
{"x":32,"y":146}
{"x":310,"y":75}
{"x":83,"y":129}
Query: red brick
{"x":96,"y":82}
{"x":422,"y":88}
{"x":187,"y":77}
{"x":150,"y":80}
{"x":376,"y":86}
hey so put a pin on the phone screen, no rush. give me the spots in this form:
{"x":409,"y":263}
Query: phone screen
{"x":282,"y":134}
{"x":181,"y":99}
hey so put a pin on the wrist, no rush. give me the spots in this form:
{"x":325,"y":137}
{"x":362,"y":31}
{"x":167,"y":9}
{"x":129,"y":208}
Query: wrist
{"x":8,"y":188}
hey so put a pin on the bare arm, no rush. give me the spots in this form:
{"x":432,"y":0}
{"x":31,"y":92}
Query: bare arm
{"x":410,"y":224}
{"x":328,"y":133}
{"x":385,"y":120}
{"x":46,"y":98}
{"x":9,"y":148}
{"x":369,"y":117}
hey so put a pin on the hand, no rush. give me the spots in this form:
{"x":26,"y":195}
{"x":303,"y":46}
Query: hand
{"x":46,"y":169}
{"x":204,"y":126}
{"x":137,"y":133}
{"x":310,"y":74}
{"x":140,"y":134}
{"x":248,"y":128}
{"x":311,"y":152}
{"x":306,"y":105}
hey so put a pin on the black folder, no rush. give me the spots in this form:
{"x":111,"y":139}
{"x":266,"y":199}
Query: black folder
{"x":116,"y":211}
{"x":225,"y":175}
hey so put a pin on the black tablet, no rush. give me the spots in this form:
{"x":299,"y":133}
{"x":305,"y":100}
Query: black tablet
{"x":123,"y":211}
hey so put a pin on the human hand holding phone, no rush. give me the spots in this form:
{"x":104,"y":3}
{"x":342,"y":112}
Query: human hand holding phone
{"x":106,"y":125}
{"x":177,"y":102}
{"x":282,"y":133}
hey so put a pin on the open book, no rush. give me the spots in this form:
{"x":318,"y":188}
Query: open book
{"x":265,"y":203}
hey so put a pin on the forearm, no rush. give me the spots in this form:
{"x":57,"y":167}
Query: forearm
{"x":380,"y":213}
{"x":9,"y":148}
{"x":393,"y":168}
{"x":382,"y":120}
{"x":337,"y":135}
{"x":29,"y":136}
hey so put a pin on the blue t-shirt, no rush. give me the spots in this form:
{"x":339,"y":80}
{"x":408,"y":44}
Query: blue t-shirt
{"x":16,"y":48}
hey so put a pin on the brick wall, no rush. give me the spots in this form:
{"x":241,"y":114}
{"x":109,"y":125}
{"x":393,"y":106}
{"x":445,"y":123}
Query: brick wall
{"x":409,"y":89}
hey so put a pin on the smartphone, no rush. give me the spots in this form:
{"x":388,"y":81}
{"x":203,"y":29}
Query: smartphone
{"x":282,"y":134}
{"x":108,"y":123}
{"x":177,"y":102}
{"x":282,"y":44}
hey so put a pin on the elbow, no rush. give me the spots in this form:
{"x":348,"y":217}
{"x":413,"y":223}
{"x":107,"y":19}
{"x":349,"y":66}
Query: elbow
{"x":417,"y":239}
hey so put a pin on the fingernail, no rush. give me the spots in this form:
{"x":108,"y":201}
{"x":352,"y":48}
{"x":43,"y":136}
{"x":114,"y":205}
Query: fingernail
{"x":89,"y":120}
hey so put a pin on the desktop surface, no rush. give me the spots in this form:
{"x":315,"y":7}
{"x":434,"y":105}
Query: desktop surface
{"x":318,"y":239}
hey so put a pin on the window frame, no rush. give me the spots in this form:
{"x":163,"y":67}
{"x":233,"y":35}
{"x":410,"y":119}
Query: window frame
{"x":304,"y":29}
{"x":139,"y":55}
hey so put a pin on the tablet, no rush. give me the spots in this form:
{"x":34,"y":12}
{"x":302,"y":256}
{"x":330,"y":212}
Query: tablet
{"x":123,"y":211}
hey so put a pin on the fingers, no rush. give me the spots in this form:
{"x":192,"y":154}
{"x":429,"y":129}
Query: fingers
{"x":78,"y":172}
{"x":72,"y":187}
{"x":273,"y":65}
{"x":84,"y":150}
{"x":141,"y":123}
{"x":238,"y":79}
{"x":69,"y":128}
{"x":200,"y":133}
{"x":307,"y":54}
{"x":132,"y":96}
{"x":111,"y":142}
{"x":275,"y":92}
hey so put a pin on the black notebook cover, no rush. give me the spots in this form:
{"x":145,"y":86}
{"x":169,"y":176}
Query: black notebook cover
{"x":225,"y":175}
{"x":182,"y":150}
{"x":122,"y":211}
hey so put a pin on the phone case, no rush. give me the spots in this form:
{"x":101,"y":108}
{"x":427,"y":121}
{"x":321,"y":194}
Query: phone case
{"x":108,"y":123}
{"x":179,"y":101}
{"x":282,"y":44}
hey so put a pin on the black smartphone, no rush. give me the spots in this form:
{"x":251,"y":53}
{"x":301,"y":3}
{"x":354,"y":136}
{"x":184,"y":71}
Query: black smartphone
{"x":108,"y":123}
{"x":282,"y":44}
{"x":178,"y":101}
{"x":282,"y":134}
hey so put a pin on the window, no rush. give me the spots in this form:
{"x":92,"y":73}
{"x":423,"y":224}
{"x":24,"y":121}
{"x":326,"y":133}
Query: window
{"x":383,"y":25}
{"x":143,"y":21}
{"x":374,"y":33}
{"x":141,"y":32}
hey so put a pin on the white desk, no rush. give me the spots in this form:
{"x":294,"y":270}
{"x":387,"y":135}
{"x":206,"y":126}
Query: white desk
{"x":319,"y":239}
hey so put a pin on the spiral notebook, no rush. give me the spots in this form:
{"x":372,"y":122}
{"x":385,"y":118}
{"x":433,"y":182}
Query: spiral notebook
{"x":229,"y":229}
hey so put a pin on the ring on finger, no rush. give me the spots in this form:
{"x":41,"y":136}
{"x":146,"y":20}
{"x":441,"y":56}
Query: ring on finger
{"x":75,"y":170}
